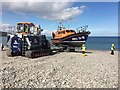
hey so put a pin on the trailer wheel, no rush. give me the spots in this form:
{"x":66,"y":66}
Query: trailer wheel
{"x":72,"y":50}
{"x":64,"y":48}
{"x":69,"y":49}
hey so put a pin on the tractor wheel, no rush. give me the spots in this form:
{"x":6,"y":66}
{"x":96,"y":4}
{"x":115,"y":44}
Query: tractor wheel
{"x":30,"y":54}
{"x":9,"y":52}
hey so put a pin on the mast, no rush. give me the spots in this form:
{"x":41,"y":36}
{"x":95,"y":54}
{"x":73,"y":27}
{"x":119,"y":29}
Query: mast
{"x":60,"y":27}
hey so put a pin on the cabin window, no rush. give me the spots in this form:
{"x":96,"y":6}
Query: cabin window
{"x":67,"y":31}
{"x":62,"y":32}
{"x":72,"y":31}
{"x":58,"y":32}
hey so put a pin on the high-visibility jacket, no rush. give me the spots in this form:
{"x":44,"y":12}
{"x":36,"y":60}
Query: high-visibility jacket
{"x":26,"y":30}
{"x":112,"y":48}
{"x":83,"y":48}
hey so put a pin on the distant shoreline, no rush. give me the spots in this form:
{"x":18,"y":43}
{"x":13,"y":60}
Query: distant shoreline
{"x":93,"y":43}
{"x":3,"y":34}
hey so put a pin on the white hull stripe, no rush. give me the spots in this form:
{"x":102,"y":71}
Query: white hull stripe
{"x":73,"y":41}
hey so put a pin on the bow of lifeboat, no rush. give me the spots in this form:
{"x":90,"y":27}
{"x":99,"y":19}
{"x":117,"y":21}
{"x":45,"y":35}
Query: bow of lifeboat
{"x":69,"y":38}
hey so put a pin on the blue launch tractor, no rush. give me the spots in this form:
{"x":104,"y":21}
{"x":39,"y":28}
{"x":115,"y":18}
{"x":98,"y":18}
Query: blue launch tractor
{"x":28,"y":41}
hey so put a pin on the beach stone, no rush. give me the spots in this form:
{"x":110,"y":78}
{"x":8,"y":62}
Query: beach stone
{"x":62,"y":70}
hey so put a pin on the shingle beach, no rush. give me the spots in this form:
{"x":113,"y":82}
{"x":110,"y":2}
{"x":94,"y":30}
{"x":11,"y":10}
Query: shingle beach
{"x":98,"y":69}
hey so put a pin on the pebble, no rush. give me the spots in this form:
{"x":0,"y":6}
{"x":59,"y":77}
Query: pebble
{"x":63,"y":70}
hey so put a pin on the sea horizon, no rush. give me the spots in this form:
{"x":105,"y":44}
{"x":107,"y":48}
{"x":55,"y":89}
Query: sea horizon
{"x":92,"y":43}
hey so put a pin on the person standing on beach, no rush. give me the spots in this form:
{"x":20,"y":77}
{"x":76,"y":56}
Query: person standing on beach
{"x":112,"y":49}
{"x":83,"y":49}
{"x":2,"y":47}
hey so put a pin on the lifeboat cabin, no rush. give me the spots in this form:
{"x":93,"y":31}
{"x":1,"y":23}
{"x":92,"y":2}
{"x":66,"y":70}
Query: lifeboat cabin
{"x":62,"y":33}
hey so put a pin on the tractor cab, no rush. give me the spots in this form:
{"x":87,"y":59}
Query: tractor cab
{"x":28,"y":41}
{"x":28,"y":28}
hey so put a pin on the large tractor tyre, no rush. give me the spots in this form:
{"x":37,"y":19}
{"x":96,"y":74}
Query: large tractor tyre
{"x":9,"y":53}
{"x":30,"y":54}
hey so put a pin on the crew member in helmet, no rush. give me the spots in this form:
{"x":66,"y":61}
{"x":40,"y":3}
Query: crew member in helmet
{"x":112,"y":49}
{"x":26,"y":28}
{"x":83,"y":49}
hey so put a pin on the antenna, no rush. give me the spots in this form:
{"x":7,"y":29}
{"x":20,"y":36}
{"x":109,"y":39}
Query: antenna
{"x":83,"y":28}
{"x":60,"y":27}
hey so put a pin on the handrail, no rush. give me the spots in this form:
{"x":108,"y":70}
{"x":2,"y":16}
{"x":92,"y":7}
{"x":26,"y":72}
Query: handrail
{"x":82,"y":29}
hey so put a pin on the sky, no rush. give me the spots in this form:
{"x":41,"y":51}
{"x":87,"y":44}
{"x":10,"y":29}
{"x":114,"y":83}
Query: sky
{"x":101,"y":17}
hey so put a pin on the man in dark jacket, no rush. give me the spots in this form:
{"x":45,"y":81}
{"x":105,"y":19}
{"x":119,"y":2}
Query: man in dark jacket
{"x":2,"y":47}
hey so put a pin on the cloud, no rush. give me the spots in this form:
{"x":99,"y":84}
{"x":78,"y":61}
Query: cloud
{"x":46,"y":10}
{"x":7,"y":27}
{"x":41,"y":1}
{"x":47,"y":32}
{"x":4,"y":27}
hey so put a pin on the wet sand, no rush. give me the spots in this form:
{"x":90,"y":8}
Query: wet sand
{"x":98,"y":69}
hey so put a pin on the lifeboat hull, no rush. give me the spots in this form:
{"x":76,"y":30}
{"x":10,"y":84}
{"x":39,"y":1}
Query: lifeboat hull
{"x":74,"y":40}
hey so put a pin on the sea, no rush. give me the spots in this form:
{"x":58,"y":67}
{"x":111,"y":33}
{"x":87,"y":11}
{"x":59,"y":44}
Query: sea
{"x":92,"y":43}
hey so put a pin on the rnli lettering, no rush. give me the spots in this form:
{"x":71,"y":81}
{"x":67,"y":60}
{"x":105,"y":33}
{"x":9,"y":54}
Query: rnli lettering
{"x":15,"y":47}
{"x":74,"y":38}
{"x":83,"y":37}
{"x":78,"y":38}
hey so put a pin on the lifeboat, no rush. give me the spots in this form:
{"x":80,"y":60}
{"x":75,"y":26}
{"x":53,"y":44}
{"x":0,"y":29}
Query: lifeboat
{"x":70,"y":38}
